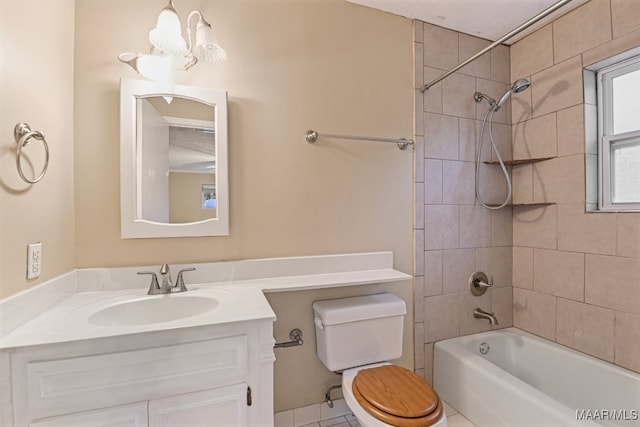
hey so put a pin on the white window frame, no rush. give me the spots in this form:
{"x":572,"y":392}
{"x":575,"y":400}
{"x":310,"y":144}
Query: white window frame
{"x":606,"y":137}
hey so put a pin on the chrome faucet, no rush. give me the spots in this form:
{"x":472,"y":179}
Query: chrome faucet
{"x":479,"y":313}
{"x":167,"y":286}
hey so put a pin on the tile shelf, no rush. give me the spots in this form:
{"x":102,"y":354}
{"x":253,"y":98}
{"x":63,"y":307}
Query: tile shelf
{"x":518,"y":162}
{"x":532,"y":204}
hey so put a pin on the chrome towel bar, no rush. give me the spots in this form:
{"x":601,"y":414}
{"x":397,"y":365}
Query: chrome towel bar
{"x":312,"y":136}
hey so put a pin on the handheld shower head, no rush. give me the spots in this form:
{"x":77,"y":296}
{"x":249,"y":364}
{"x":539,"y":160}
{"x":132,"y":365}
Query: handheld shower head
{"x":518,"y":86}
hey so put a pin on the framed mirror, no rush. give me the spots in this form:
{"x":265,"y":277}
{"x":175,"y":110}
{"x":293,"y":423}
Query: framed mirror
{"x":173,"y":161}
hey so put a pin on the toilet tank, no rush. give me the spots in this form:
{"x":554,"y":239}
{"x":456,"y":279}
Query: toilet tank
{"x":359,"y":330}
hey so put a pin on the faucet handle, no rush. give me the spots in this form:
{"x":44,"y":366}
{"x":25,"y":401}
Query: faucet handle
{"x":180,"y":281}
{"x":154,"y":288}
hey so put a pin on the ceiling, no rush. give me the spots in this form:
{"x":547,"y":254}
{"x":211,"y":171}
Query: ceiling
{"x":487,"y":19}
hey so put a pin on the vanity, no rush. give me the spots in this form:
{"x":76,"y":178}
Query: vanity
{"x":91,"y":348}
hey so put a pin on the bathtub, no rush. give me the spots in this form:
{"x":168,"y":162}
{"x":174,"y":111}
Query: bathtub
{"x":524,"y":380}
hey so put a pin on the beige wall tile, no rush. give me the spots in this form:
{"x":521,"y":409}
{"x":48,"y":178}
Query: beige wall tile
{"x":559,"y":273}
{"x":428,"y":363}
{"x":441,"y":227}
{"x":469,"y":46}
{"x":418,"y":299}
{"x":433,"y":182}
{"x":492,"y":185}
{"x":621,"y":44}
{"x":440,"y":47}
{"x":502,"y":306}
{"x":497,"y":264}
{"x":418,"y":65}
{"x":468,"y":323}
{"x":500,"y":64}
{"x":440,"y":136}
{"x":458,"y":183}
{"x":441,"y":317}
{"x":570,"y":129}
{"x":535,"y":138}
{"x":502,"y":227}
{"x":535,"y":227}
{"x":523,"y":267}
{"x":532,"y":54}
{"x":586,"y":328}
{"x":522,"y":183}
{"x":469,"y":132}
{"x":579,"y":231}
{"x":558,"y":87}
{"x":418,"y":342}
{"x":418,"y":237}
{"x":418,"y":29}
{"x":475,"y":227}
{"x":457,"y":95}
{"x":418,"y":159}
{"x":535,"y":312}
{"x":432,"y":273}
{"x":581,"y":29}
{"x":502,"y":139}
{"x":432,"y":98}
{"x":612,"y":282}
{"x":418,"y":114}
{"x":457,"y":267}
{"x":627,"y":344}
{"x":628,"y":232}
{"x":625,"y":16}
{"x":559,"y":180}
{"x":418,"y":220}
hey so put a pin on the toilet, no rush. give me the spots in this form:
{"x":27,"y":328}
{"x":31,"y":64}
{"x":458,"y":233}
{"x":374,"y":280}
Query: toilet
{"x":357,"y":336}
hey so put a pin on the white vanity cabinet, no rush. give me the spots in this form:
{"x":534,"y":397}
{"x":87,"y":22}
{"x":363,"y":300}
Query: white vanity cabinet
{"x":199,"y":376}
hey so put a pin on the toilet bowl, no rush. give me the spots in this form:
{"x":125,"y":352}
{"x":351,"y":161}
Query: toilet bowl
{"x":431,"y":404}
{"x":356,"y":336}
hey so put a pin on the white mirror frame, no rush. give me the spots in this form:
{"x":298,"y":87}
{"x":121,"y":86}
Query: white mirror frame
{"x":131,"y":226}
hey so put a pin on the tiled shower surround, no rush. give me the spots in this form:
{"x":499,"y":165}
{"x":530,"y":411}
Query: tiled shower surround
{"x":559,"y":272}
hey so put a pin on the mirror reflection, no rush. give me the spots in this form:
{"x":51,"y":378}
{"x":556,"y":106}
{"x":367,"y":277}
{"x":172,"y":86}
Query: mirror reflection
{"x":176,"y":154}
{"x":173,"y":161}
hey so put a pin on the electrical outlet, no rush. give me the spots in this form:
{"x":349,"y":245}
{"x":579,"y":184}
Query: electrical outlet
{"x":34,"y":260}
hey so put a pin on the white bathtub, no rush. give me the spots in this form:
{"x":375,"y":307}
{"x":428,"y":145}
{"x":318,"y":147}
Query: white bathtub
{"x":525,"y":380}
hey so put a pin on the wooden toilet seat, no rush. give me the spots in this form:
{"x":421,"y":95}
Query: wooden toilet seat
{"x":397,"y":396}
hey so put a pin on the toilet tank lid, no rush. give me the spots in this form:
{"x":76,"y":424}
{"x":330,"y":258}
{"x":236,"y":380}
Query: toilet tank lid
{"x":344,"y":310}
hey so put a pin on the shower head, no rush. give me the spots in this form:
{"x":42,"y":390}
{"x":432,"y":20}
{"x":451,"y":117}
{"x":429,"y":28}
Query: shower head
{"x":518,"y":86}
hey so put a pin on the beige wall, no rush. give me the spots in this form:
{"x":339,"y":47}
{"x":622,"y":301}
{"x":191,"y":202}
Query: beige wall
{"x":454,"y":236}
{"x":292,"y":65}
{"x":575,"y":274}
{"x":36,"y":86}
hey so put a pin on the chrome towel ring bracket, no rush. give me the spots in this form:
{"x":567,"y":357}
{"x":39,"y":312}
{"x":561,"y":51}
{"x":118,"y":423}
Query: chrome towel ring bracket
{"x":23,"y":136}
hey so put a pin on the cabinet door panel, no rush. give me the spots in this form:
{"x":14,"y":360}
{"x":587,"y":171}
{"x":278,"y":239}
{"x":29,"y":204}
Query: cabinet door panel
{"x":224,"y":406}
{"x":134,"y":415}
{"x":57,"y":386}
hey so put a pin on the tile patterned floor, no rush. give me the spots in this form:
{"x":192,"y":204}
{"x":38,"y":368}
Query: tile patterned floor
{"x":320,"y":415}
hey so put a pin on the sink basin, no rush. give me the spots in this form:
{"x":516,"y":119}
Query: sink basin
{"x":153,"y":309}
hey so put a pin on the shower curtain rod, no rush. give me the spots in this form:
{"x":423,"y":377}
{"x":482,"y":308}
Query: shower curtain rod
{"x":502,"y":39}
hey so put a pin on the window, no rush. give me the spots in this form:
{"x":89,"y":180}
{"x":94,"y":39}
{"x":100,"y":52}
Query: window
{"x":618,"y":107}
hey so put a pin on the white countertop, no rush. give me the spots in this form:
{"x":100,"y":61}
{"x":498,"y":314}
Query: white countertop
{"x":240,"y":294}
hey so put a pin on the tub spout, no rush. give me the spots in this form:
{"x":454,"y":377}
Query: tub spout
{"x":479,"y":313}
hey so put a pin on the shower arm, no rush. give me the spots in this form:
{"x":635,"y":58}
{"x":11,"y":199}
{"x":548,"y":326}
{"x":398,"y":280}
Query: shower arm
{"x":502,"y":39}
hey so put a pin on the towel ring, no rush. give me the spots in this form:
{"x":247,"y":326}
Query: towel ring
{"x":23,"y":135}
